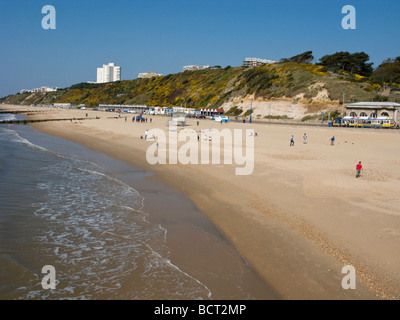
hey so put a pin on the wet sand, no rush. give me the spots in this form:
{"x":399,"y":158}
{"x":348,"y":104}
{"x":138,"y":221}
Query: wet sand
{"x":197,"y":247}
{"x":300,"y":217}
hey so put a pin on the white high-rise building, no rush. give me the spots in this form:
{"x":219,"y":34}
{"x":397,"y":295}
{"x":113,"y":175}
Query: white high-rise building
{"x":108,"y":73}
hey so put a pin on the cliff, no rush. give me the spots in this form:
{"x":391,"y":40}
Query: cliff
{"x":288,"y":90}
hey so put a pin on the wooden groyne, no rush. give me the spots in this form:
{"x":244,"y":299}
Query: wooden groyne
{"x":27,"y":121}
{"x":22,"y":111}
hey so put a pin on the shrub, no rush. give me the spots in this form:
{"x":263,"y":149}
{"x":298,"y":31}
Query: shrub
{"x":285,"y":117}
{"x":311,"y":117}
{"x":234,"y":111}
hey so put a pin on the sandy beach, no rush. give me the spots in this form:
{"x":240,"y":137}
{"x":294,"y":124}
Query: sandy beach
{"x":300,"y":217}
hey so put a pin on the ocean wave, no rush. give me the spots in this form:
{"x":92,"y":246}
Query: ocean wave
{"x":95,"y":232}
{"x":7,"y":117}
{"x":9,"y":135}
{"x":111,"y":238}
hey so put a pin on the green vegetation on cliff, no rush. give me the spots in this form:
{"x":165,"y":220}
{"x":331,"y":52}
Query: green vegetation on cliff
{"x":215,"y":86}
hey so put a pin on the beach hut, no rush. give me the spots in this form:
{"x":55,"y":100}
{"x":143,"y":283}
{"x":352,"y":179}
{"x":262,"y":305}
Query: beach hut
{"x":178,"y":119}
{"x":211,"y":112}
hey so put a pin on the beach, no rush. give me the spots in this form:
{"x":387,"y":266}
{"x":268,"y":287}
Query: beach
{"x":298,"y":218}
{"x":107,"y":229}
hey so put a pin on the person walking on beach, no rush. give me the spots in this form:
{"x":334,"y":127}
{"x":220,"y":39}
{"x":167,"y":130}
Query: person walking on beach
{"x":332,"y":141}
{"x":145,"y":134}
{"x":358,"y":169}
{"x":305,"y":138}
{"x":292,"y":141}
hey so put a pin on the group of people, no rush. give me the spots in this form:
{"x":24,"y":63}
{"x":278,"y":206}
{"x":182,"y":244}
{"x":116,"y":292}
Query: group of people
{"x":305,"y":138}
{"x":140,"y":119}
{"x":359,"y":166}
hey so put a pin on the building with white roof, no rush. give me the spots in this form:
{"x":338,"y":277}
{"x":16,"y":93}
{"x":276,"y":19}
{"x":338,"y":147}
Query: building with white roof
{"x":195,"y":68}
{"x":255,"y":62}
{"x":146,"y":75}
{"x":374,"y":110}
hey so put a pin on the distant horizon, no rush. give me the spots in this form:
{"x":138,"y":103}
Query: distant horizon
{"x":163,"y":36}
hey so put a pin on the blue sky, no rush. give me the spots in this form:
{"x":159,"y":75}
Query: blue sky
{"x":164,"y":35}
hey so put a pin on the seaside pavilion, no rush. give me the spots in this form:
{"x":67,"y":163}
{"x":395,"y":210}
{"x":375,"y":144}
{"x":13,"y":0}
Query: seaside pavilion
{"x":374,"y":110}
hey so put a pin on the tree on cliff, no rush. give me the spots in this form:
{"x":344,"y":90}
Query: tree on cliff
{"x":355,"y":63}
{"x":305,"y":57}
{"x":388,"y":71}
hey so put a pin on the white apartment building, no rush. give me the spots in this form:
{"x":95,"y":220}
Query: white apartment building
{"x":255,"y":62}
{"x":194,"y":68}
{"x":25,"y":91}
{"x":41,"y":89}
{"x":108,"y":73}
{"x":48,"y":89}
{"x":146,"y":75}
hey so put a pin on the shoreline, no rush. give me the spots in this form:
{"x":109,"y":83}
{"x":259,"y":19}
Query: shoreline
{"x":197,"y":247}
{"x":194,"y":245}
{"x":297,"y":254}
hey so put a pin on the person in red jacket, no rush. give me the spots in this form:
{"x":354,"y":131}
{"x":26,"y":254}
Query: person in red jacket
{"x":358,"y":169}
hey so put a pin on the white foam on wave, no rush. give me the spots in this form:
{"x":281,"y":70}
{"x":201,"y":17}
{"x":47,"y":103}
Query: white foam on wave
{"x":7,"y":117}
{"x":106,"y":174}
{"x":167,"y":262}
{"x":96,"y":224}
{"x":113,"y":244}
{"x":13,"y":136}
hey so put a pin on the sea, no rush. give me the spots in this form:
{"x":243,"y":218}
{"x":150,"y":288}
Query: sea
{"x":87,"y":216}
